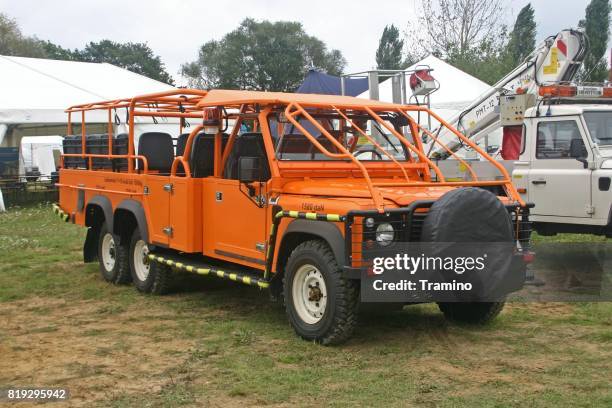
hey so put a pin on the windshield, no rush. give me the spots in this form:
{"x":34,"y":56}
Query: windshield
{"x":600,"y":127}
{"x":292,"y":145}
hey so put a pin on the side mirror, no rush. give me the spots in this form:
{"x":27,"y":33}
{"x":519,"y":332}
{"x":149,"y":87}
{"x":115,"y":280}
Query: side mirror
{"x":249,"y":169}
{"x":579,"y":152}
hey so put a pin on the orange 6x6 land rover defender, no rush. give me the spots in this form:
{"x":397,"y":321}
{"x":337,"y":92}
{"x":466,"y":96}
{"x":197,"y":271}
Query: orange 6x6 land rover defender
{"x":280,"y":191}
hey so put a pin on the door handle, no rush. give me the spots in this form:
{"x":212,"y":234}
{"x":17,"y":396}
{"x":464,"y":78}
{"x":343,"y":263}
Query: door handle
{"x":538,"y":182}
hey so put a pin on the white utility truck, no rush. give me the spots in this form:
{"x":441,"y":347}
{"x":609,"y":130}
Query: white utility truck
{"x":556,"y":142}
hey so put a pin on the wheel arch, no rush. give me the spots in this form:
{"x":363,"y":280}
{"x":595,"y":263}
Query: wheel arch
{"x":96,"y":207}
{"x":97,"y":211}
{"x":128,"y":215}
{"x":301,"y":230}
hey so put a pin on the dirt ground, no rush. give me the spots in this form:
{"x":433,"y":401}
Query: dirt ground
{"x":219,"y":344}
{"x":86,"y":348}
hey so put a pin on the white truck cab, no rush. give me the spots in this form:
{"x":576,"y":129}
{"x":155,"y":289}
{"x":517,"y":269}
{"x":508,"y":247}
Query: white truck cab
{"x":565,"y":168}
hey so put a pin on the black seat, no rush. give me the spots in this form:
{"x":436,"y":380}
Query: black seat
{"x":181,"y":142}
{"x":296,"y":146}
{"x":293,"y":144}
{"x":247,"y":145}
{"x":157,"y":147}
{"x":202,"y":160}
{"x":120,"y":147}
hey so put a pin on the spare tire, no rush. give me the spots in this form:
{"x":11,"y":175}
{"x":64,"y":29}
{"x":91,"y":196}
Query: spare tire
{"x":458,"y":220}
{"x":467,"y":214}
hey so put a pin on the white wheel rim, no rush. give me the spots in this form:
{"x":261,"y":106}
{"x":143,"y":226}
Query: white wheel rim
{"x":141,"y":260}
{"x":309,"y":294}
{"x":108,"y":252}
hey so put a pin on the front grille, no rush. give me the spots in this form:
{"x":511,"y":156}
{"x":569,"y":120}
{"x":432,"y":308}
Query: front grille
{"x":416,"y":226}
{"x":522,"y":228}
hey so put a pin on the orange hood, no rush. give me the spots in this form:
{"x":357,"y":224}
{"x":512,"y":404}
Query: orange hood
{"x":357,"y":188}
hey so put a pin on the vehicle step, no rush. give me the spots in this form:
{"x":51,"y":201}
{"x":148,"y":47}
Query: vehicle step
{"x":200,"y":268}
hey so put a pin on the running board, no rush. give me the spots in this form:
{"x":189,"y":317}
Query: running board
{"x":208,"y":270}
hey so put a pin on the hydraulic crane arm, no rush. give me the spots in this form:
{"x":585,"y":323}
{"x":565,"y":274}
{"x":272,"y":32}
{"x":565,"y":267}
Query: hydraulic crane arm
{"x":556,"y":59}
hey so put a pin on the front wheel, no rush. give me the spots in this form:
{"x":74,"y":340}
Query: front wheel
{"x":471,"y":312}
{"x":320,"y":303}
{"x":148,"y":277}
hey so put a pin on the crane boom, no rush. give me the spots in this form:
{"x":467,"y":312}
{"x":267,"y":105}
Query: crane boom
{"x":557,"y":59}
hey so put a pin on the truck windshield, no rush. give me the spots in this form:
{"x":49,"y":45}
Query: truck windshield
{"x":291,"y":144}
{"x":600,"y":127}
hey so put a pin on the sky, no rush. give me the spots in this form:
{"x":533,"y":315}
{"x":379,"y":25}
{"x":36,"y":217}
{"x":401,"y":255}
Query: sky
{"x":175,"y":29}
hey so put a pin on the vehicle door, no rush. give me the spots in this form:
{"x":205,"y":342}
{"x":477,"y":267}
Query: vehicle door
{"x":559,"y":180}
{"x":240,"y":210}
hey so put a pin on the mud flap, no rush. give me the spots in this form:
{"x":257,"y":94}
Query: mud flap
{"x":90,"y":247}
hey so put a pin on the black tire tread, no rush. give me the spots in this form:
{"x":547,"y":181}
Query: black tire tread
{"x":160,"y":275}
{"x":471,"y":313}
{"x":121,"y":274}
{"x":124,"y":275}
{"x":162,"y":278}
{"x":347,"y":298}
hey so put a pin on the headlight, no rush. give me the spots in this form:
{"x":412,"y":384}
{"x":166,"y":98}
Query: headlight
{"x":369,"y":222}
{"x":385,"y":234}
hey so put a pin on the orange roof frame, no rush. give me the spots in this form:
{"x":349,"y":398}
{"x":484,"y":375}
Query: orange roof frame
{"x":219,"y":97}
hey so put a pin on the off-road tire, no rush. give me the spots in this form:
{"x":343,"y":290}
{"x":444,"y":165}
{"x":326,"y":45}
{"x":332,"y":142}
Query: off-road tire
{"x":488,"y":221}
{"x":471,"y":313}
{"x":340,"y":316}
{"x":120,"y":273}
{"x":158,"y":279}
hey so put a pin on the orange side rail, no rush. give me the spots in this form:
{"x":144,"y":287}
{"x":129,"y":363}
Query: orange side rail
{"x":106,"y":156}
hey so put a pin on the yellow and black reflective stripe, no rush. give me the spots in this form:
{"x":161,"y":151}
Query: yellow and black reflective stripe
{"x":234,"y":276}
{"x":311,"y":216}
{"x":293,"y":214}
{"x":61,"y":213}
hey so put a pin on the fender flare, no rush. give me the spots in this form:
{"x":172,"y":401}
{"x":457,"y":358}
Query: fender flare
{"x":323,"y":229}
{"x":107,"y":208}
{"x":136,"y":208}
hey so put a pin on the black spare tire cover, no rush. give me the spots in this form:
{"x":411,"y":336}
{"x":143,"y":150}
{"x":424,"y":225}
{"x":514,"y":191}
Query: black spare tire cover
{"x":455,"y":224}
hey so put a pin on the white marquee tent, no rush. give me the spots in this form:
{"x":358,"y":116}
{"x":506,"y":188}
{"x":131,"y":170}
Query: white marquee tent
{"x":36,"y":91}
{"x":457,"y":88}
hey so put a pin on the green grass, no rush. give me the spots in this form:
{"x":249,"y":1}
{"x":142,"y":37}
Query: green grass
{"x":217,"y":343}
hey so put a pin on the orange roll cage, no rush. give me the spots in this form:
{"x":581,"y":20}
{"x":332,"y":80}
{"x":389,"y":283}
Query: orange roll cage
{"x":256,"y":106}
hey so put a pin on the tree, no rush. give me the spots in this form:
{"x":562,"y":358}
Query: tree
{"x":14,"y":43}
{"x":468,"y":34}
{"x":456,"y":27}
{"x":522,"y":36}
{"x":54,"y":51}
{"x":135,"y":57}
{"x":266,"y":56}
{"x":597,"y":27}
{"x":389,"y":52}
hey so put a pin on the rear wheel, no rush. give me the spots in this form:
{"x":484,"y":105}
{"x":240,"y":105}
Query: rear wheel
{"x":112,"y":257}
{"x":148,"y":277}
{"x":320,"y":303}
